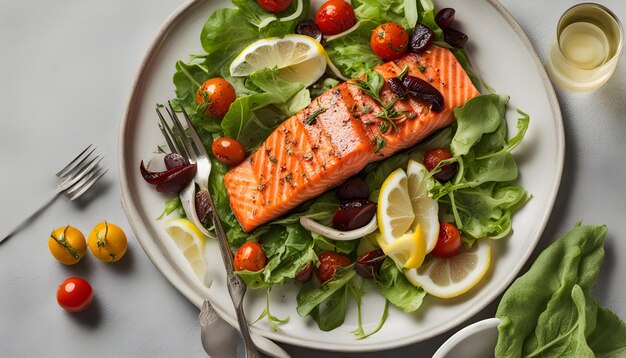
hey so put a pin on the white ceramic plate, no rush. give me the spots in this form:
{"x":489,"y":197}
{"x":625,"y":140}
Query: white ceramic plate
{"x":505,"y":60}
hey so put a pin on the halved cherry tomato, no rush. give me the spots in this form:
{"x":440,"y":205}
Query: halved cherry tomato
{"x":432,"y":159}
{"x":389,"y":41}
{"x":329,"y":261}
{"x":228,"y":151}
{"x":448,"y":242}
{"x":274,"y":6}
{"x":334,"y":17}
{"x":218,"y":95}
{"x":250,"y":257}
{"x":74,"y":294}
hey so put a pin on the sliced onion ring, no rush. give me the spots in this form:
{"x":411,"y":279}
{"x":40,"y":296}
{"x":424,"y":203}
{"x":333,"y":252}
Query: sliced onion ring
{"x":295,"y":15}
{"x":342,"y":34}
{"x":338,"y":235}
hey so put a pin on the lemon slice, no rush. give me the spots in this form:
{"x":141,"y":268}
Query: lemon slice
{"x":298,"y":58}
{"x":453,"y":276}
{"x":408,"y":251}
{"x":395,"y":210}
{"x":191,"y":243}
{"x":405,"y":244}
{"x":425,"y":208}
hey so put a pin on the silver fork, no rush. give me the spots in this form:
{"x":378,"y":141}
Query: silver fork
{"x":191,"y":147}
{"x":78,"y":177}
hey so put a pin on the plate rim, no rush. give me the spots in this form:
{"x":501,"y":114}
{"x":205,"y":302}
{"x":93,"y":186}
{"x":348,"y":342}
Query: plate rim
{"x":177,"y":278}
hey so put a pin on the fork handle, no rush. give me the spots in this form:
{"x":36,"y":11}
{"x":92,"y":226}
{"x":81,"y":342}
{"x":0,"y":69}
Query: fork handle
{"x":33,"y":214}
{"x":236,"y":286}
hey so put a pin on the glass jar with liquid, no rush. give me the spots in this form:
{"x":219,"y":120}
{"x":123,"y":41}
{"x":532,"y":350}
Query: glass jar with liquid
{"x":586,"y":49}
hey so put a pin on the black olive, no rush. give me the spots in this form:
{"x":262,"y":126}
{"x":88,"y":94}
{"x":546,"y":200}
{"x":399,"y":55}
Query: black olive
{"x":424,"y":91}
{"x":454,"y":37}
{"x":398,"y":88}
{"x":445,"y":17}
{"x":309,"y":28}
{"x":421,"y":38}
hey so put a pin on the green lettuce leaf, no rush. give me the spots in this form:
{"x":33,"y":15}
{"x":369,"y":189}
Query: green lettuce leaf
{"x":549,"y":310}
{"x":352,"y":54}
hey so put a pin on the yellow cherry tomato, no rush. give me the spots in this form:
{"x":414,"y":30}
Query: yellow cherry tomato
{"x":107,"y":242}
{"x":67,"y":244}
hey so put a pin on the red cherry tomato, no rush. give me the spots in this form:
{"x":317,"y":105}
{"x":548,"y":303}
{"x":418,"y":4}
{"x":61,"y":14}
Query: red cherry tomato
{"x":228,"y":151}
{"x":432,"y":159}
{"x":74,"y":294}
{"x":250,"y":257}
{"x":389,"y":41}
{"x":334,"y":17}
{"x":448,"y":242}
{"x":329,"y":261}
{"x":218,"y":95}
{"x":274,"y":6}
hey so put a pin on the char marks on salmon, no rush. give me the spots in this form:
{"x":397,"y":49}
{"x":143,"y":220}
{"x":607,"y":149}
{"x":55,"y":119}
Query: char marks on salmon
{"x":338,"y":134}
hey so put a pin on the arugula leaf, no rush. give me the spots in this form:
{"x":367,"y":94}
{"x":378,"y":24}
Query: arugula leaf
{"x":357,"y":293}
{"x":392,"y":284}
{"x":171,"y":206}
{"x":275,"y":322}
{"x":549,"y":310}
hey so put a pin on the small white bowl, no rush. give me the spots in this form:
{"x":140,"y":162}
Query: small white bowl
{"x":476,"y":340}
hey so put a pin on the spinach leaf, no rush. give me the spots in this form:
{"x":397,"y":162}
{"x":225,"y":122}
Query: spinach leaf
{"x":392,"y":284}
{"x":222,"y":41}
{"x":480,"y":115}
{"x":331,"y":313}
{"x":288,"y":249}
{"x":310,"y":296}
{"x":549,"y":310}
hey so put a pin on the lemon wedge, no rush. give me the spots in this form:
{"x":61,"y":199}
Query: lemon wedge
{"x":408,"y":251}
{"x":425,"y":208}
{"x":191,"y":243}
{"x":455,"y":275}
{"x":298,"y":58}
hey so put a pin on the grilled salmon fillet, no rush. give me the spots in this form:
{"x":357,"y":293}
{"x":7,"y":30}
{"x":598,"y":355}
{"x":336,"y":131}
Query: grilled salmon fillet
{"x":303,"y":158}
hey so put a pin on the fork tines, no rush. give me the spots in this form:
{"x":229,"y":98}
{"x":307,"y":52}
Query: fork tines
{"x":81,"y":173}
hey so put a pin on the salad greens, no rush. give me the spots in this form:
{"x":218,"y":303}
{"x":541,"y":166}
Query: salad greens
{"x":549,"y":311}
{"x":481,"y":199}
